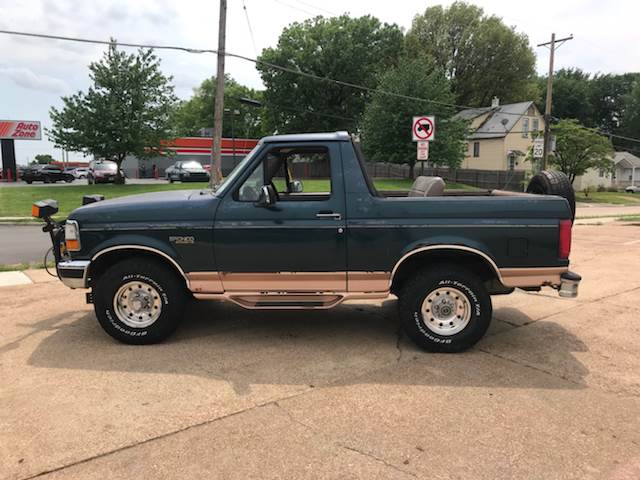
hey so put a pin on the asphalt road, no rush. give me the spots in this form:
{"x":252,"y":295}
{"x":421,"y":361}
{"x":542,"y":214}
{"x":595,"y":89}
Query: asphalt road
{"x":132,"y":181}
{"x":22,"y":244}
{"x":552,"y":391}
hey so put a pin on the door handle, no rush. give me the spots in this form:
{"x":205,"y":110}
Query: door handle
{"x":335,"y":216}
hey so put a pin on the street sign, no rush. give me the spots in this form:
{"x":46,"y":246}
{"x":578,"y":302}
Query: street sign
{"x":423,"y":150}
{"x":20,"y":130}
{"x":423,"y":128}
{"x":538,"y":147}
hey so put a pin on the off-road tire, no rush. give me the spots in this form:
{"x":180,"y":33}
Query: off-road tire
{"x":416,"y":291}
{"x":172,"y":297}
{"x":551,"y":182}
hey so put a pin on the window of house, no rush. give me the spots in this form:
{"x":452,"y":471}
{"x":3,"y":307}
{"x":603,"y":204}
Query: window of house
{"x":535,"y":125}
{"x":280,"y":167}
{"x":512,"y":163}
{"x":525,"y":127}
{"x":476,"y":149}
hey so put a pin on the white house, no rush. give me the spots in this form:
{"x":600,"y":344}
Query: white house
{"x":627,"y":169}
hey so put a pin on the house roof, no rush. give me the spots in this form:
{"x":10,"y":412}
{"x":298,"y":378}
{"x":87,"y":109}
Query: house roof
{"x":499,"y":122}
{"x":626,"y":160}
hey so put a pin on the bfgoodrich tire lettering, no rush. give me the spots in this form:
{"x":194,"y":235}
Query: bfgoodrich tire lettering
{"x":167,"y":294}
{"x":473,"y":299}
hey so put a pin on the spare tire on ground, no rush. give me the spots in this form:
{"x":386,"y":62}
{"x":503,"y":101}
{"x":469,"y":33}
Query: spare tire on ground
{"x":550,"y":182}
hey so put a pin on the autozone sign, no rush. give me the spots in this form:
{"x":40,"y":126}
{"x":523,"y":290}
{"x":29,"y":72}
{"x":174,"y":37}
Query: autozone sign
{"x":20,"y":130}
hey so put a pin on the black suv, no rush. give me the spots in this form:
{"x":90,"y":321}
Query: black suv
{"x":46,"y":174}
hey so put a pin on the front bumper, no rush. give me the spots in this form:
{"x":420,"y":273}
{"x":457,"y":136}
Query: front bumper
{"x":73,"y":273}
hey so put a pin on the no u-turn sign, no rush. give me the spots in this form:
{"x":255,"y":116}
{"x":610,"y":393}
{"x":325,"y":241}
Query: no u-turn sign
{"x":423,"y":128}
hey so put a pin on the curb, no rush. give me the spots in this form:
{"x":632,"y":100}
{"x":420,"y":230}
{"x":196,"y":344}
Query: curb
{"x":14,"y":278}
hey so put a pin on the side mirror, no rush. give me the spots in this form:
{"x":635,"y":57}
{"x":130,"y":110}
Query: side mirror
{"x":267,"y":196}
{"x":296,"y":186}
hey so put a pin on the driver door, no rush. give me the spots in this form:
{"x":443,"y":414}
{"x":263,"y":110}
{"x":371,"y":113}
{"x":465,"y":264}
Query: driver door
{"x":296,"y":244}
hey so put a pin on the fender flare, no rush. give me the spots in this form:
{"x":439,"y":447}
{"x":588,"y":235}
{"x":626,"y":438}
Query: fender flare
{"x":463,"y":248}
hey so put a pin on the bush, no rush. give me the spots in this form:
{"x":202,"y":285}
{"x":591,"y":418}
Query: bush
{"x":612,"y":189}
{"x":601,"y":188}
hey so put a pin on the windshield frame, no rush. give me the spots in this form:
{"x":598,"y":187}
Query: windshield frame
{"x":236,"y":172}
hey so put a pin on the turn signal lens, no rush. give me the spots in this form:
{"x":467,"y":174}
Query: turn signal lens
{"x":35,"y":211}
{"x":73,"y":245}
{"x":564,"y":239}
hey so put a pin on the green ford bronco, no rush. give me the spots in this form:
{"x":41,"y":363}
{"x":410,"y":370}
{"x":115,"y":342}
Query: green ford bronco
{"x":263,"y":241}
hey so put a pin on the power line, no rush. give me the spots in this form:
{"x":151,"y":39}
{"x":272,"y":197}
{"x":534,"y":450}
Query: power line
{"x":282,"y":68}
{"x":319,"y":8}
{"x":286,"y":4}
{"x":253,"y":40}
{"x":234,"y":55}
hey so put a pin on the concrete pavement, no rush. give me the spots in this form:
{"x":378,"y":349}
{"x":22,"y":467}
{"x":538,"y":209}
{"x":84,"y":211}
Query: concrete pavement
{"x":551,"y":392}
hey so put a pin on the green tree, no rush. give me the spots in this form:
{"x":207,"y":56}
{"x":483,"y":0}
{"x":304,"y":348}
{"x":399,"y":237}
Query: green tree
{"x":578,"y":149}
{"x":480,"y":54}
{"x":609,"y":96}
{"x":386,"y":128}
{"x":43,"y":159}
{"x":572,"y":92}
{"x":197,"y":112}
{"x":349,"y":49}
{"x":124,"y":112}
{"x":630,"y":121}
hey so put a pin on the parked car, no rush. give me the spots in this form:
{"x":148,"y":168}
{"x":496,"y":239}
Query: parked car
{"x":260,"y":241}
{"x":187,"y":171}
{"x":102,"y":171}
{"x":632,"y":189}
{"x":46,"y":174}
{"x":80,"y":172}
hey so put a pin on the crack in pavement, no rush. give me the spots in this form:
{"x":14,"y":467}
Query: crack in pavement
{"x":532,"y":367}
{"x":341,"y":444}
{"x":377,"y":459}
{"x":162,"y":436}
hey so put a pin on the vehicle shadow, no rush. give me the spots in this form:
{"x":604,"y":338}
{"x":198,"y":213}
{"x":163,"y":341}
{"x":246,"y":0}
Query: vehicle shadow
{"x":345,"y":345}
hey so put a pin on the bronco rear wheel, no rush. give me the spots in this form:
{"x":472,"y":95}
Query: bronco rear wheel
{"x":445,"y":309}
{"x":139,"y":301}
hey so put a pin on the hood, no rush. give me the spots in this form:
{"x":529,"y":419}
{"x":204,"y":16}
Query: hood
{"x":166,"y":207}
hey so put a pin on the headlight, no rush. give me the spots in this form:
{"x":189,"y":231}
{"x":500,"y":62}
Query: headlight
{"x":72,"y":235}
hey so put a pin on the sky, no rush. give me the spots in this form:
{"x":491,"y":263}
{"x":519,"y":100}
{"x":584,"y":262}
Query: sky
{"x":35,"y":73}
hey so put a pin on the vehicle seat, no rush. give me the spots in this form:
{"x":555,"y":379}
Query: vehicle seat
{"x":427,"y":187}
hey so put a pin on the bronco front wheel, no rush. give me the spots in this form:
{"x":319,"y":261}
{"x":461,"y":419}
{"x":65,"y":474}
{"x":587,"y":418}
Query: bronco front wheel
{"x":139,"y":301}
{"x":445,"y":309}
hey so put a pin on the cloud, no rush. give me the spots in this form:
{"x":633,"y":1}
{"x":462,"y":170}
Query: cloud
{"x":27,"y":78}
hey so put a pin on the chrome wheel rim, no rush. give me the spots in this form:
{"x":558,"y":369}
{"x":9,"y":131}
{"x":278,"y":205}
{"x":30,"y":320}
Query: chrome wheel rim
{"x":137,"y":304}
{"x":446,"y":311}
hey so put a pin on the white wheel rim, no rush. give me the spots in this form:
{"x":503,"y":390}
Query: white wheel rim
{"x":446,"y":311}
{"x":137,"y":304}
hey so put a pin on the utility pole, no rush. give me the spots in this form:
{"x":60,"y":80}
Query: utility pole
{"x":547,"y":109}
{"x":218,"y":108}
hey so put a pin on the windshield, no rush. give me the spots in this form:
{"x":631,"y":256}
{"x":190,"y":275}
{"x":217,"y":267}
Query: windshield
{"x":237,"y":170}
{"x":192,"y":164}
{"x":105,"y":166}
